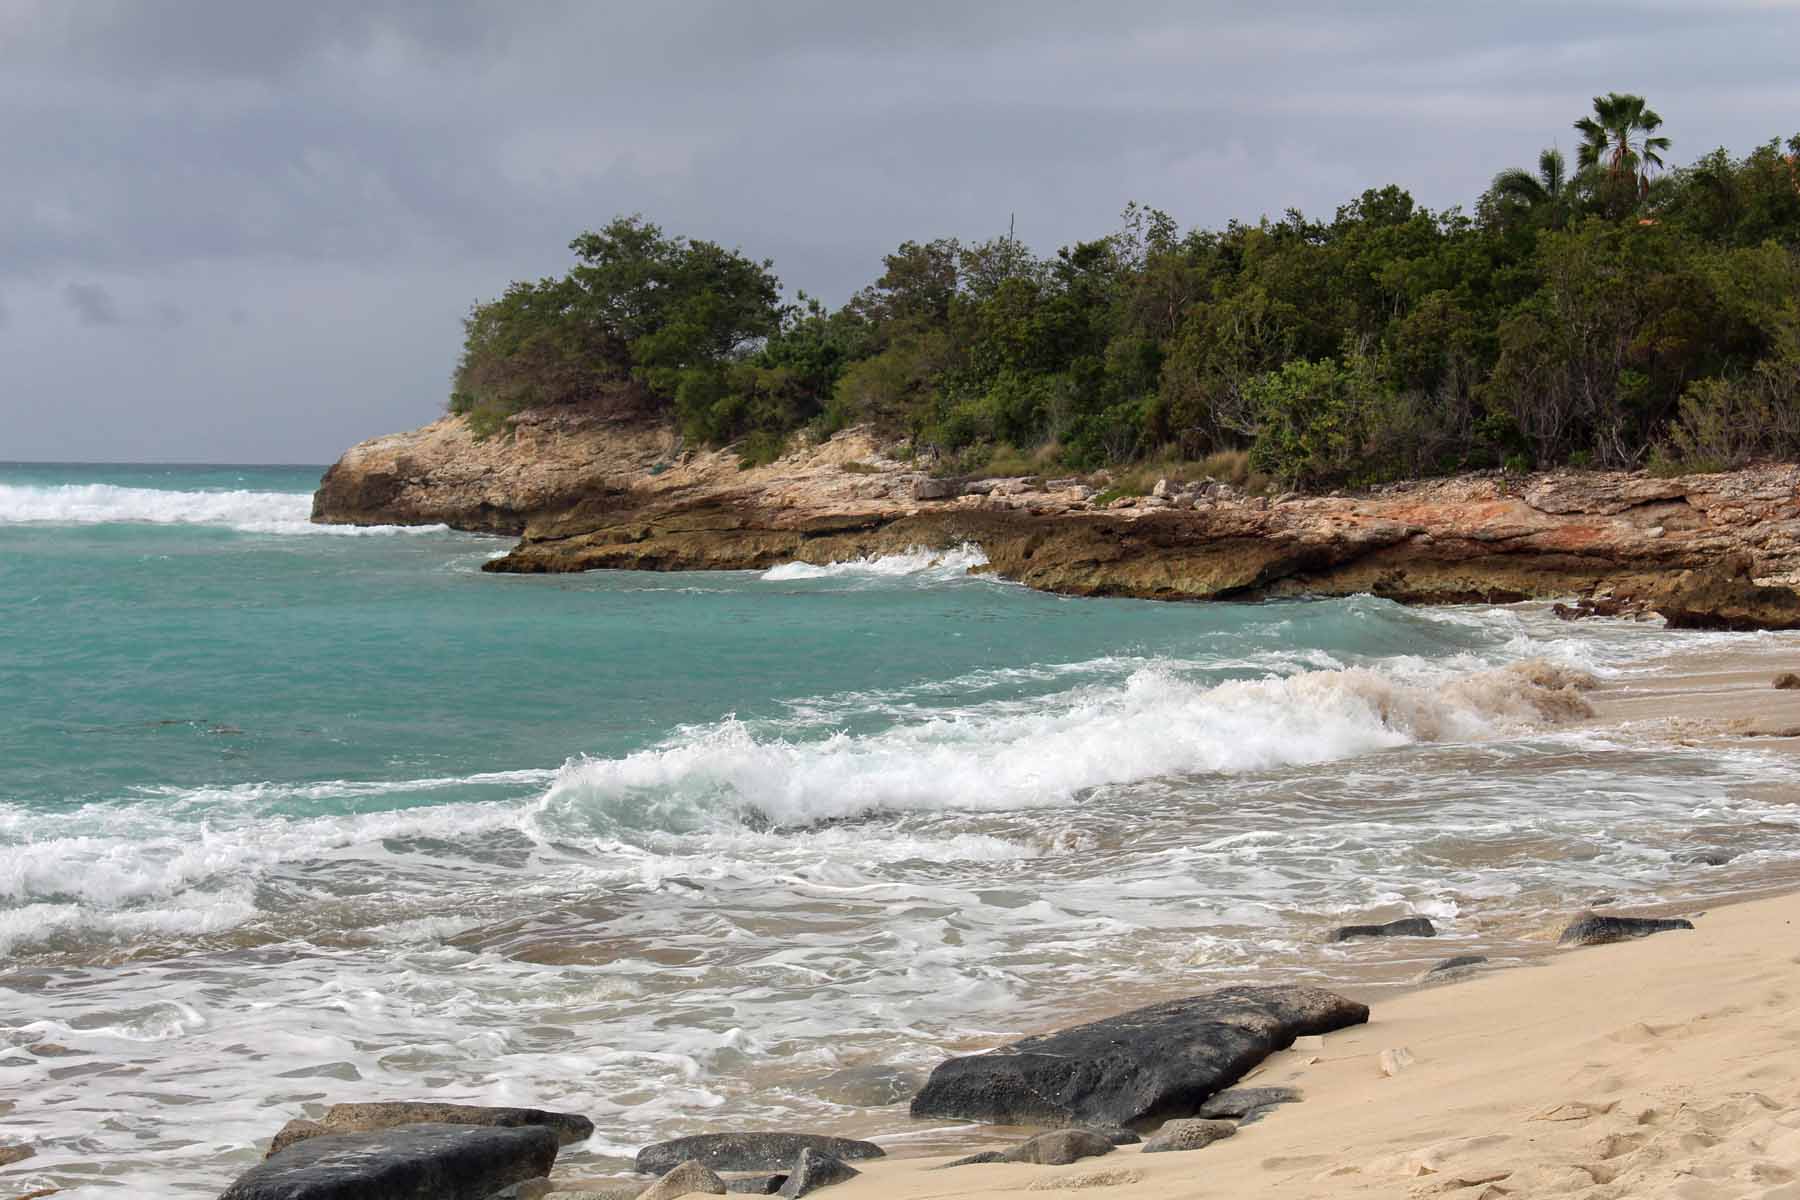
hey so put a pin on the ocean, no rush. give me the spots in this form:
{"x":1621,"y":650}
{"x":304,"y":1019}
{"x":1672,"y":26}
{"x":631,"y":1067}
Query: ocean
{"x":292,"y":815}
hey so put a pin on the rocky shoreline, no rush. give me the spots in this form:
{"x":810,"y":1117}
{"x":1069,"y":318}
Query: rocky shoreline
{"x":582,"y":492}
{"x":1168,"y":1071}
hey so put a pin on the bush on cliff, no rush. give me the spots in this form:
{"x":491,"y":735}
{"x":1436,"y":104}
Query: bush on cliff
{"x":1611,"y":314}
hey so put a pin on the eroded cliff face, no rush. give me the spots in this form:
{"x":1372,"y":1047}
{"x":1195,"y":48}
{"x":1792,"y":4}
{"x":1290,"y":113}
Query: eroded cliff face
{"x":583,"y":492}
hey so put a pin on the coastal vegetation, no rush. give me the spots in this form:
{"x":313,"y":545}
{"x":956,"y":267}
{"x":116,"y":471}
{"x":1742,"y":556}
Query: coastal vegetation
{"x":1616,"y":314}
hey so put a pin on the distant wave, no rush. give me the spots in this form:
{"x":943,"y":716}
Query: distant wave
{"x":915,"y":561}
{"x":107,"y":504}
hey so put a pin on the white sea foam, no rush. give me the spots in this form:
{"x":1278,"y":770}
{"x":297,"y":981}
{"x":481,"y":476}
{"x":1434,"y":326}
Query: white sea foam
{"x":1018,"y":756}
{"x":946,"y":564}
{"x":107,"y":504}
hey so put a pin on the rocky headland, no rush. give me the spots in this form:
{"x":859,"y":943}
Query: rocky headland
{"x":584,"y":490}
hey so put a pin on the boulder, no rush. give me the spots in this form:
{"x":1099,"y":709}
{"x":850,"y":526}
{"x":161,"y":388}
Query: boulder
{"x":1192,"y":1134}
{"x":358,"y":1118}
{"x":1241,"y":1102}
{"x":1060,"y":1148}
{"x":1137,"y":1068}
{"x":937,"y":489}
{"x":18,"y":1152}
{"x":1404,"y":927}
{"x":445,"y":1162}
{"x":684,"y":1179}
{"x":814,"y":1170}
{"x":1787,"y":681}
{"x":1724,"y":597}
{"x":1593,"y":929}
{"x":1118,"y":1135}
{"x":756,"y":1185}
{"x":749,"y":1151}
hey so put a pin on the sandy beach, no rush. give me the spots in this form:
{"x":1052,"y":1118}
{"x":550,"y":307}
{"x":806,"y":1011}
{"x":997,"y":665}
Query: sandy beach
{"x":1658,"y":1068}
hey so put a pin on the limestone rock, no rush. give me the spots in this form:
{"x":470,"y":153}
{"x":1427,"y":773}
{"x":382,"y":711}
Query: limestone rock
{"x":685,"y":1179}
{"x":1241,"y":1102}
{"x":814,"y":1170}
{"x":1404,"y":927}
{"x":1593,"y":929}
{"x":297,"y":1130}
{"x":1060,"y":1147}
{"x":750,"y":1151}
{"x":1135,"y":1068}
{"x":445,"y":1162}
{"x":1191,"y":1134}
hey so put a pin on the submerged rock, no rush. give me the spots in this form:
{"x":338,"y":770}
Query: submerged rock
{"x":683,"y":1179}
{"x":1404,"y":927}
{"x":1136,"y":1068}
{"x":750,"y":1151}
{"x":1593,"y":929}
{"x":445,"y":1162}
{"x":1192,"y":1134}
{"x":814,"y":1170}
{"x":1241,"y":1102}
{"x":1462,"y":962}
{"x":1709,"y":857}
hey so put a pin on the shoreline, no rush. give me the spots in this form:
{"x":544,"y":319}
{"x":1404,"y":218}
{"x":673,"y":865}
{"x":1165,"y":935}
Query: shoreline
{"x":1658,"y":1067}
{"x":1448,"y":1023}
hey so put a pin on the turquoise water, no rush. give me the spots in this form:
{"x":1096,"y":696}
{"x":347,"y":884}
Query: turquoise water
{"x":291,"y":815}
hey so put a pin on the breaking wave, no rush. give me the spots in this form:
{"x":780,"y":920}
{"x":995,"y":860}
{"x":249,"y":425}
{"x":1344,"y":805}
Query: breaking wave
{"x":1000,"y":759}
{"x":946,"y":564}
{"x":108,"y":504}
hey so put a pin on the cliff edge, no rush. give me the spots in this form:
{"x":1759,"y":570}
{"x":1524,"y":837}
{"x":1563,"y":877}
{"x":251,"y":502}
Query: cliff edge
{"x":583,"y":491}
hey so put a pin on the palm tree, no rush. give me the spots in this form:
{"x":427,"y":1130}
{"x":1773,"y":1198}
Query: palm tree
{"x":1621,"y":137}
{"x":1547,"y":186}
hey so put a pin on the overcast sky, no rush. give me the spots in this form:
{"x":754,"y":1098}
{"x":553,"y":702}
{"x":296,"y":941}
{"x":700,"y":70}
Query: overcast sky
{"x":247,"y":231}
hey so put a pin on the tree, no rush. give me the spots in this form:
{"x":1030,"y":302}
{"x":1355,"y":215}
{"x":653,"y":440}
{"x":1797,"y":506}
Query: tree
{"x":1621,"y":139}
{"x":1543,"y":192}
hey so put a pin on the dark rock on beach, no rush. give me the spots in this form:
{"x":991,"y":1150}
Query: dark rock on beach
{"x":1241,"y":1102}
{"x":1593,"y":929}
{"x":1404,"y":927}
{"x":1193,"y":1134}
{"x":1137,"y":1068}
{"x":445,"y":1162}
{"x":1786,"y":681}
{"x":1118,"y":1135}
{"x":814,"y":1170}
{"x":749,"y":1151}
{"x":348,"y":1118}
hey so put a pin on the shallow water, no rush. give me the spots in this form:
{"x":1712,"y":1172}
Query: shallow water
{"x":290,"y":816}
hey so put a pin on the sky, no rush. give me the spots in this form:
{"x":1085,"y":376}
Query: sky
{"x":236,"y":231}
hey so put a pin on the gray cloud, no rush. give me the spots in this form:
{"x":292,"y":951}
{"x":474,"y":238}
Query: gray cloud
{"x":225,"y":158}
{"x":93,"y":304}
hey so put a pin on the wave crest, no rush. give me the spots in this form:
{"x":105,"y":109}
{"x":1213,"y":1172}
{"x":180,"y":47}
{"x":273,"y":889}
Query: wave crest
{"x":1156,"y":724}
{"x":109,"y":504}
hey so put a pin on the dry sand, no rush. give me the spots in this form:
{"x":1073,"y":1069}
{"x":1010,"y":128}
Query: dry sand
{"x":1667,"y":1067}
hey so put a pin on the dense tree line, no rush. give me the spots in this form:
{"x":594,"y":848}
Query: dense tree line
{"x":1613,"y":314}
